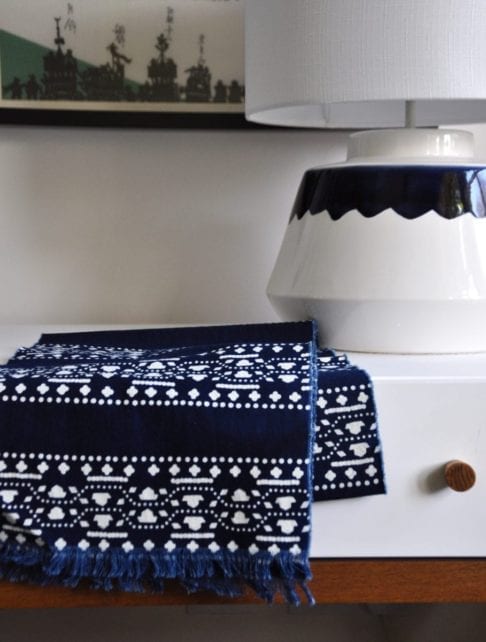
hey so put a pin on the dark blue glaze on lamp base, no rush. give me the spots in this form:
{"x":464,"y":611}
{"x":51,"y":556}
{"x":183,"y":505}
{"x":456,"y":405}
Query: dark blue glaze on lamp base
{"x":411,"y":191}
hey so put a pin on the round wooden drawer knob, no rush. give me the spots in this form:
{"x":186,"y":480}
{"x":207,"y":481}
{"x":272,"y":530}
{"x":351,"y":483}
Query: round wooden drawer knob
{"x":459,"y":476}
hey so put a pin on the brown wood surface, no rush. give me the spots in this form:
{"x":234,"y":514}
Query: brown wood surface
{"x":335,"y":581}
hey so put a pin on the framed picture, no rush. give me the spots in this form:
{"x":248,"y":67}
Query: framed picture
{"x":144,"y":63}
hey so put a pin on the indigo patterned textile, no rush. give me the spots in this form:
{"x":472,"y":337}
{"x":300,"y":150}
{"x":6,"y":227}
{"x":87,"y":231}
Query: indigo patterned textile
{"x":128,"y":458}
{"x":347,"y":450}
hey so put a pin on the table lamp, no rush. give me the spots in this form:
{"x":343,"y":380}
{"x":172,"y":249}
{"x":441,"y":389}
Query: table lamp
{"x":387,"y":250}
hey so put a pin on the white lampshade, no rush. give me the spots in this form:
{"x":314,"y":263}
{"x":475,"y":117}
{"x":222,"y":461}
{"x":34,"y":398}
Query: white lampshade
{"x":354,"y":63}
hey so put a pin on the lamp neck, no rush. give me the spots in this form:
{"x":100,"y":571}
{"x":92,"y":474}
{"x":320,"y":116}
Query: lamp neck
{"x":411,"y":144}
{"x":410,"y":114}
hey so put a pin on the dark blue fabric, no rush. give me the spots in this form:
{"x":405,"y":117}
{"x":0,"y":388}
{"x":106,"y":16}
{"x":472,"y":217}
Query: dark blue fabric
{"x":347,"y":451}
{"x":136,"y":456}
{"x":190,"y":336}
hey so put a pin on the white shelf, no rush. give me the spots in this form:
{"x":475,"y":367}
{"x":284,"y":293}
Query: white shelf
{"x":430,"y":368}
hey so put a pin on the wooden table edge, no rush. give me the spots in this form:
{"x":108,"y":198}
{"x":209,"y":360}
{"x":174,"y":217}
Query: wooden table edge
{"x":335,"y":581}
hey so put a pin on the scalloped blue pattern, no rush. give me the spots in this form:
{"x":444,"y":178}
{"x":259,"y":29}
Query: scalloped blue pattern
{"x":411,"y":191}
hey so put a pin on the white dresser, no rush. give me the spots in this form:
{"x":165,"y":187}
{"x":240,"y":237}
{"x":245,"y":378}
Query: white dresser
{"x":432,"y":410}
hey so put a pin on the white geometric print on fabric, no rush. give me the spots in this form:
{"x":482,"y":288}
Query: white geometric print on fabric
{"x":152,"y":502}
{"x":128,"y":465}
{"x":347,"y":450}
{"x":152,"y":378}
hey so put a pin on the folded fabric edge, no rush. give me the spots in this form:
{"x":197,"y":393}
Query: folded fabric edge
{"x":225,"y":573}
{"x":204,"y":335}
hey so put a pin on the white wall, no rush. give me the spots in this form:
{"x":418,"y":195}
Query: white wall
{"x":158,"y":226}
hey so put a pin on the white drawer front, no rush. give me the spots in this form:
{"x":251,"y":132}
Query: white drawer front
{"x":423,"y":426}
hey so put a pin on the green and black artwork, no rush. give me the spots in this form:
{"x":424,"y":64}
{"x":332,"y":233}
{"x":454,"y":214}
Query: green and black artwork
{"x":33,"y":72}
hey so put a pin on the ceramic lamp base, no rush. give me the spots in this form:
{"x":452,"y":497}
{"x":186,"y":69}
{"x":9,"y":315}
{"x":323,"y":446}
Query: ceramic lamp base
{"x":389,"y":257}
{"x":399,"y":327}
